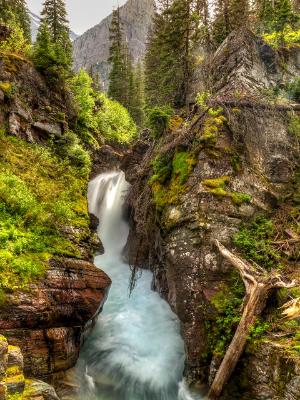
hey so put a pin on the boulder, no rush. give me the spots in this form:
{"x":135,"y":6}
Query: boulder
{"x":48,"y":128}
{"x":47,"y":321}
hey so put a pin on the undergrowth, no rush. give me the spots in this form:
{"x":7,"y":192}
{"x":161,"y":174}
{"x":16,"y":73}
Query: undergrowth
{"x":255,"y":243}
{"x":39,"y":195}
{"x":227,"y":302}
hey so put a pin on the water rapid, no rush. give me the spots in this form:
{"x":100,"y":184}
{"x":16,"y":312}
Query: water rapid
{"x":135,"y":351}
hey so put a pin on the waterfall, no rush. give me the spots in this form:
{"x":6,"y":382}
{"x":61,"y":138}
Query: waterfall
{"x":135,"y":351}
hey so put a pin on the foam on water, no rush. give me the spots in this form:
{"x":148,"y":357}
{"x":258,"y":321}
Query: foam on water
{"x":135,"y":351}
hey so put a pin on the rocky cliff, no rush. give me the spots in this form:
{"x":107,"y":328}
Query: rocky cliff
{"x":232,"y":162}
{"x":43,"y":313}
{"x":91,"y":50}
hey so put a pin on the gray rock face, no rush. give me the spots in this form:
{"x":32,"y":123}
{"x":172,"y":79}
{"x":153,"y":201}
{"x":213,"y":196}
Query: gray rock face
{"x":92,"y":48}
{"x":188,"y":269}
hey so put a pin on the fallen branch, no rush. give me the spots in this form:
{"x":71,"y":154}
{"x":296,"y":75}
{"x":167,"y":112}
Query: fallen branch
{"x":258,"y":284}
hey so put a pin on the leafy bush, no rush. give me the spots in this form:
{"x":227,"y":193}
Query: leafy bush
{"x":288,"y":38}
{"x":228,"y":303}
{"x":16,"y":41}
{"x":254,"y":241}
{"x":158,"y":120}
{"x":69,"y":147}
{"x":98,"y":115}
{"x":39,"y":194}
{"x":114,"y":121}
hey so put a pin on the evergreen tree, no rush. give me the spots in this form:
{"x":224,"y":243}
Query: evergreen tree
{"x":229,"y":15}
{"x":20,"y":15}
{"x":169,"y":58}
{"x":54,"y":34}
{"x":121,"y":74}
{"x":137,"y":106}
{"x":117,"y":76}
{"x":275,"y":15}
{"x":54,"y":14}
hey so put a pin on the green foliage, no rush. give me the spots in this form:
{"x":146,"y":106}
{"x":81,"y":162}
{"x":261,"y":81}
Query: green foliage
{"x":294,"y":124}
{"x":212,"y":127}
{"x":254,"y":241}
{"x":98,"y":114}
{"x":202,"y":99}
{"x":169,"y":178}
{"x":52,"y":53}
{"x":258,"y":329}
{"x":240,"y":198}
{"x":85,"y":100}
{"x":217,"y":187}
{"x":16,"y":42}
{"x":169,"y":61}
{"x":70,"y":148}
{"x":158,"y":120}
{"x":287,"y":38}
{"x":228,"y":303}
{"x":15,"y":11}
{"x":114,"y":122}
{"x":39,"y":194}
{"x":217,"y":182}
{"x":182,"y":165}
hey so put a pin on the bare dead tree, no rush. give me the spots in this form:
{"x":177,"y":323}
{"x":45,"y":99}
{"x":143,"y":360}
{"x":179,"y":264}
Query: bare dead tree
{"x":258,"y":283}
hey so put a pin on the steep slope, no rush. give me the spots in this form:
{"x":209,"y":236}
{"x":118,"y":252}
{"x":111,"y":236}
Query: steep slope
{"x":228,"y":171}
{"x":49,"y":287}
{"x":92,"y":48}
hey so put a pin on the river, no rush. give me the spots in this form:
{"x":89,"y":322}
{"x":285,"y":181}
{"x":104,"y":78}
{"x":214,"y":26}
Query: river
{"x":135,"y":351}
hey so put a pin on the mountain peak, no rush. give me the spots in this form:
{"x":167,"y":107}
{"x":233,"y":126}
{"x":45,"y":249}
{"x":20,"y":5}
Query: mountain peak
{"x":92,"y":48}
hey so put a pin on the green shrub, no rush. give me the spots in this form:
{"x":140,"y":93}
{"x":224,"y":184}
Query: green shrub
{"x":288,"y":38}
{"x":16,"y":41}
{"x":227,"y":302}
{"x":114,"y":121}
{"x":294,"y":124}
{"x":69,"y":147}
{"x":39,"y":195}
{"x":254,"y":241}
{"x":158,"y":120}
{"x":98,"y":116}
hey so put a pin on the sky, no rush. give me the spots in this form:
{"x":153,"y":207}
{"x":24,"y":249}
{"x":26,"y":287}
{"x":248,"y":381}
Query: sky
{"x":83,"y":14}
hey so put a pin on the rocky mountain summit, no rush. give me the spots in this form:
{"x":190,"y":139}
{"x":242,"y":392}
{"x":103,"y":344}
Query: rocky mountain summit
{"x":91,"y":50}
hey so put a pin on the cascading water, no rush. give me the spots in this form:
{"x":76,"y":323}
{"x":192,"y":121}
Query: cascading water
{"x":135,"y":351}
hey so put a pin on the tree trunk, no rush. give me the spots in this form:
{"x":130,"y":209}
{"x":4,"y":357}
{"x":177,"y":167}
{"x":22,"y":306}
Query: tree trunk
{"x":253,"y":308}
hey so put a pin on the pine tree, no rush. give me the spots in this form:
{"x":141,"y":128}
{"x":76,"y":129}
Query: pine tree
{"x":20,"y":14}
{"x":169,"y":57}
{"x":54,"y":30}
{"x":275,"y":15}
{"x":121,"y":74}
{"x":44,"y":53}
{"x":54,"y":14}
{"x":137,"y":106}
{"x":116,"y":89}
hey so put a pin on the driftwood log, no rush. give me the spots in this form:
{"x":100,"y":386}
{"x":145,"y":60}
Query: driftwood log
{"x":258,"y":283}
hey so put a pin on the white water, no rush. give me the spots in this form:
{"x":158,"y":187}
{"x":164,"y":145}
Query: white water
{"x":135,"y":351}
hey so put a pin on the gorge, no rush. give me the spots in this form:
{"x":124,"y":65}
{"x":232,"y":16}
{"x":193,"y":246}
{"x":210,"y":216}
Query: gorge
{"x":123,"y":213}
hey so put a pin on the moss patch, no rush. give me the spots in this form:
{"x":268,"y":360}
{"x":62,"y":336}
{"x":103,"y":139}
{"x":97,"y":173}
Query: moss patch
{"x":217,"y":187}
{"x":169,"y":178}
